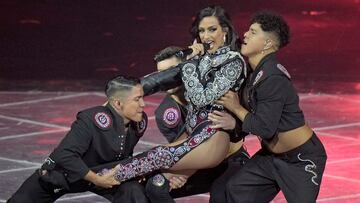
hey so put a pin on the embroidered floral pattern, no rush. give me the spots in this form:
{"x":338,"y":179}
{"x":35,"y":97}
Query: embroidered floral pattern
{"x":161,"y":157}
{"x":225,"y":78}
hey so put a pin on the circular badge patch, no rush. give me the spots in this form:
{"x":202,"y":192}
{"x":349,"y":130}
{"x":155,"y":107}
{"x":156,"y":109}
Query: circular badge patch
{"x":171,"y":117}
{"x":141,"y":126}
{"x":103,"y":120}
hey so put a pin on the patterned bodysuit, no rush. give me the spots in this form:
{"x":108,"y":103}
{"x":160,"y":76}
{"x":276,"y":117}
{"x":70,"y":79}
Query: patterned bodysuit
{"x":206,"y":79}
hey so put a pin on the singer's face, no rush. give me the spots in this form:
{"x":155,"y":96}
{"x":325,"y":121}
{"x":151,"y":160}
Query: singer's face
{"x":212,"y":33}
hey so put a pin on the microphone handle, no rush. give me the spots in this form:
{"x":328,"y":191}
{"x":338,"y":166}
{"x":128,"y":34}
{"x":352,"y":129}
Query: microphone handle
{"x":183,"y":53}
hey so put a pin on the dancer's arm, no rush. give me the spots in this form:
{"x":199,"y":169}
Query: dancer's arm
{"x":69,"y":152}
{"x":231,"y":101}
{"x":271,"y":96}
{"x":227,"y":122}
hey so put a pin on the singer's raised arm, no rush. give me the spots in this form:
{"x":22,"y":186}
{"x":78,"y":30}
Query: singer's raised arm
{"x":161,"y":81}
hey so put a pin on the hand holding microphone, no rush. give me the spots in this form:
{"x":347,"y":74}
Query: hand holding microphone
{"x":194,"y":50}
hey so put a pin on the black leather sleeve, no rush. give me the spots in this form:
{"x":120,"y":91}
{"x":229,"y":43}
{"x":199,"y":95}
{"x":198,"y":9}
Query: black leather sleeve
{"x":161,"y":81}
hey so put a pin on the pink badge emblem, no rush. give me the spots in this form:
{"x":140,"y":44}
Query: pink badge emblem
{"x":103,"y":120}
{"x":171,"y":116}
{"x":142,"y":126}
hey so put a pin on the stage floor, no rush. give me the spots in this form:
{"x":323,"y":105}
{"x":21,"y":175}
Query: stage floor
{"x":33,"y":122}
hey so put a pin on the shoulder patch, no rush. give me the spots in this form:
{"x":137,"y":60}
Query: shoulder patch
{"x":258,"y":76}
{"x":171,"y":117}
{"x":283,"y":69}
{"x":103,"y":120}
{"x":141,"y":126}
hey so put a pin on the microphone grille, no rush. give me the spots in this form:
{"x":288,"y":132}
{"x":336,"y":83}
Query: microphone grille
{"x":206,"y":46}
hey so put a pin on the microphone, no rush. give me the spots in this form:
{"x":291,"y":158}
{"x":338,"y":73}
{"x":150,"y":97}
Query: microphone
{"x":183,"y":53}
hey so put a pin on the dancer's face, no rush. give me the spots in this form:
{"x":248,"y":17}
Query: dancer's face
{"x":166,"y":64}
{"x":254,"y":41}
{"x":211,"y":32}
{"x":132,"y":105}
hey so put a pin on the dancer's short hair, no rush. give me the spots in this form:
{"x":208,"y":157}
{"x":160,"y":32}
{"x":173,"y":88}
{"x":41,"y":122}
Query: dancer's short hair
{"x":275,"y":24}
{"x":119,"y":86}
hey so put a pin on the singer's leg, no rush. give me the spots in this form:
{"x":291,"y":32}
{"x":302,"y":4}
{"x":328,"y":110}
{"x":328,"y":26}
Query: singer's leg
{"x":202,"y":150}
{"x":207,"y":155}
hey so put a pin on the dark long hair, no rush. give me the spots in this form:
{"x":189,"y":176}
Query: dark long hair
{"x":232,"y":38}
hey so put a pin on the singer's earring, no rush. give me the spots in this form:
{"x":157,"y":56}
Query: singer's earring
{"x":224,"y":39}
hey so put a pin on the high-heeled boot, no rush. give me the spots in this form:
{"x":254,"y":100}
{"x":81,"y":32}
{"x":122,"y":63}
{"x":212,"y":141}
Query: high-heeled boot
{"x":157,"y":189}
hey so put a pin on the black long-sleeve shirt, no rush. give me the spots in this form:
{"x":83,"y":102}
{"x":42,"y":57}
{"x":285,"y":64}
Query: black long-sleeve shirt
{"x":97,"y":137}
{"x":273,"y":100}
{"x":170,"y":118}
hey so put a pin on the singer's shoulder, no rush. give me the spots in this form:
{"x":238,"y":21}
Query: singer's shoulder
{"x":235,"y":55}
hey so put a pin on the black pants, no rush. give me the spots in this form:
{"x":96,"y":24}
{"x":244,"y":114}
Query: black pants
{"x":206,"y":180}
{"x":297,"y":174}
{"x":234,"y":164}
{"x":34,"y":190}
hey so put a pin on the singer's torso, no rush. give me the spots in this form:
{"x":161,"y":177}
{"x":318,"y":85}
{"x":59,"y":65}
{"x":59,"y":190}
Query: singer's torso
{"x":208,"y":78}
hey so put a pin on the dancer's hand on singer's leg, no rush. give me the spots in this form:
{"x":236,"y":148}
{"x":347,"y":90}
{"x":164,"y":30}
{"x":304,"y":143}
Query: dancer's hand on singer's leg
{"x":106,"y":180}
{"x":175,"y":181}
